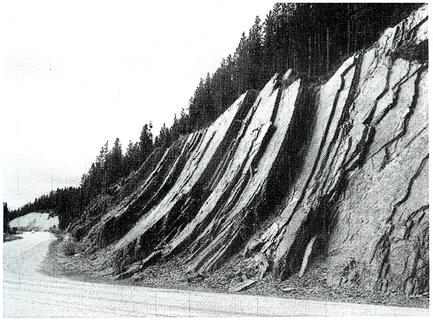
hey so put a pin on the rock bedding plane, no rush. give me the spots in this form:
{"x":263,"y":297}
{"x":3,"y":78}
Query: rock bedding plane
{"x":291,"y":172}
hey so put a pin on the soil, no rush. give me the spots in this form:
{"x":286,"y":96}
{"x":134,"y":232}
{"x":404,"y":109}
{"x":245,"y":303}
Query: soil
{"x":171,"y":274}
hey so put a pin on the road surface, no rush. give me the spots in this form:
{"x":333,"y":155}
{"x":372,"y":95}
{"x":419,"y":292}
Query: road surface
{"x":29,"y":293}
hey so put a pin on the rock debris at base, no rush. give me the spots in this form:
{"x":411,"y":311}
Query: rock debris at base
{"x":344,"y":163}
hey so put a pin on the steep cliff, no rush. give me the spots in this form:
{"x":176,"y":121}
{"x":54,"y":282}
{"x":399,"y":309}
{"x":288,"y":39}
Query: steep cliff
{"x":364,"y":182}
{"x":298,"y":169}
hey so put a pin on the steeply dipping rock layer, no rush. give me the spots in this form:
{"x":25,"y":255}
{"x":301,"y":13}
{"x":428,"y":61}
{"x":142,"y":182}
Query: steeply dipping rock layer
{"x":344,"y":164}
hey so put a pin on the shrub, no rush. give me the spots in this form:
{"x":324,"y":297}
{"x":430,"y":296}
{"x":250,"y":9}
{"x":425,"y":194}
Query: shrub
{"x":80,"y":248}
{"x":54,"y":230}
{"x":68,"y":248}
{"x":412,"y":52}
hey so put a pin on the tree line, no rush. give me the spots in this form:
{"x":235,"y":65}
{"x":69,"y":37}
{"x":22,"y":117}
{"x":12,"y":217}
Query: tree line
{"x":6,"y":218}
{"x":312,"y":39}
{"x":110,"y":166}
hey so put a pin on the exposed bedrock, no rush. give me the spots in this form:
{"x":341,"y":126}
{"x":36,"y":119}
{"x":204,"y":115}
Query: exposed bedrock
{"x":342,"y":166}
{"x":363,"y":186}
{"x":169,"y":185}
{"x":216,"y":201}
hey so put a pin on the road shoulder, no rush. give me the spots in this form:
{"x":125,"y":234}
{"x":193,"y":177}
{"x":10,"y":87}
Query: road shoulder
{"x":171,"y":275}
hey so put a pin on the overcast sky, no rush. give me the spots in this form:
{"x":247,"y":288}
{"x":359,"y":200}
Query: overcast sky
{"x":77,"y":73}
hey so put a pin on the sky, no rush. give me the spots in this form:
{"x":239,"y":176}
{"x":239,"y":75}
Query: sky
{"x":74,"y":74}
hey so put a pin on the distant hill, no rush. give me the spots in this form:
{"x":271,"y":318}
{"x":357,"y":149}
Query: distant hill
{"x":32,"y":221}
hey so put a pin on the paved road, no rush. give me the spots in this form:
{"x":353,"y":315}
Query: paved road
{"x":28,"y":293}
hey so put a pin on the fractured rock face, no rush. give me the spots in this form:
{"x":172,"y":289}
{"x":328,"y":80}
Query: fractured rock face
{"x":344,"y":164}
{"x":365,"y":173}
{"x":235,"y":202}
{"x":202,"y":159}
{"x":151,"y":182}
{"x":387,"y":226}
{"x":212,"y":208}
{"x":383,"y":214}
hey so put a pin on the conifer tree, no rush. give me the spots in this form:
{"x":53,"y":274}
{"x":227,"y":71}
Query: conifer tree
{"x":146,"y":142}
{"x":115,"y":162}
{"x":6,"y":218}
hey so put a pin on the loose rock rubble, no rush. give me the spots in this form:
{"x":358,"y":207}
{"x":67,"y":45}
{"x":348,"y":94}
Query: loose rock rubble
{"x":344,"y":163}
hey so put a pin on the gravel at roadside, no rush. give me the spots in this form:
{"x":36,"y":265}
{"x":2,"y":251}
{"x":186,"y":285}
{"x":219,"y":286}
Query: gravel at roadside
{"x":312,"y":286}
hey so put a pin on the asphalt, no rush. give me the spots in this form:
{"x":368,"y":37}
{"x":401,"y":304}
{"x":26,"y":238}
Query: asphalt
{"x":29,"y":293}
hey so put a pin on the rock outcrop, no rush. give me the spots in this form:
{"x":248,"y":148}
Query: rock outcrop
{"x":364,"y":181}
{"x":343,"y":164}
{"x":217,"y":197}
